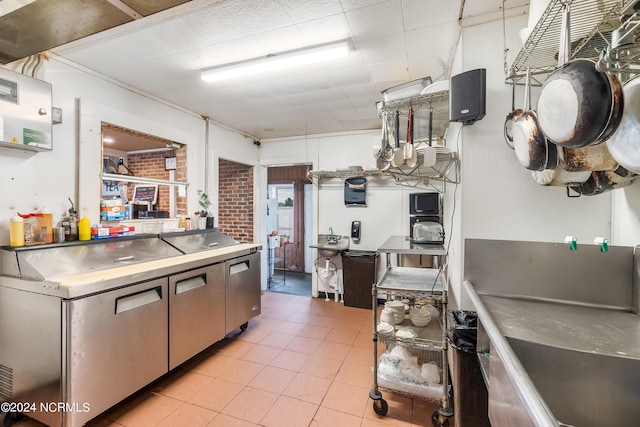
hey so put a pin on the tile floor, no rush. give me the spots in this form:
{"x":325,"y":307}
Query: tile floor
{"x":302,"y":362}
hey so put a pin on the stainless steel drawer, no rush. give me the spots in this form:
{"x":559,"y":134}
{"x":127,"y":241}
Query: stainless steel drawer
{"x":117,"y":344}
{"x":196,"y":312}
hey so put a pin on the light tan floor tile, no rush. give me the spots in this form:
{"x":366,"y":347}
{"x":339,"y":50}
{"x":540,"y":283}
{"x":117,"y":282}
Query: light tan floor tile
{"x":273,"y":379}
{"x":291,"y":360}
{"x":355,"y":374}
{"x":422,"y":411}
{"x":188,"y":415}
{"x":333,"y":350}
{"x":216,"y":395}
{"x":399,"y":414}
{"x":327,"y":321}
{"x":361,"y":355}
{"x":347,"y":398}
{"x":304,"y":345}
{"x":291,"y":328}
{"x":277,"y":339}
{"x":322,"y":367}
{"x":241,"y":372}
{"x":364,"y":339}
{"x":254,"y":335}
{"x":308,"y":387}
{"x":277,"y":313}
{"x":316,"y":332}
{"x":250,"y":404}
{"x":149,"y":412}
{"x":265,"y":323}
{"x":289,"y":412}
{"x":222,"y":420}
{"x":326,"y":417}
{"x":235,"y":348}
{"x":341,"y":336}
{"x":301,"y":317}
{"x":261,"y":354}
{"x":181,"y":385}
{"x":213,"y":364}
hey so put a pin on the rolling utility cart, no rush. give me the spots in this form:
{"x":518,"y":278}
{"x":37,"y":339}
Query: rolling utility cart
{"x":414,"y":363}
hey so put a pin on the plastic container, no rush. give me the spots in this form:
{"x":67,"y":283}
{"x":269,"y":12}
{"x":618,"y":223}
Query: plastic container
{"x":84,"y":229}
{"x":46,"y":225}
{"x":16,"y":231}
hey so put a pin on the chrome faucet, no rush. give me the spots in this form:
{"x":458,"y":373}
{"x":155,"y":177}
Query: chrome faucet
{"x":330,"y":231}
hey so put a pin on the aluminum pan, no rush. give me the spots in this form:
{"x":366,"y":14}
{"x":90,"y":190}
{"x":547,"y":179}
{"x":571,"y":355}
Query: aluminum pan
{"x":190,"y":242}
{"x":39,"y":263}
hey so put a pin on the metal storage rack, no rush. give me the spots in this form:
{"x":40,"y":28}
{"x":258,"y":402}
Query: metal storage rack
{"x":430,"y":345}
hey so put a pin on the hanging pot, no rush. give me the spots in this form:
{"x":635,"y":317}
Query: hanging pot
{"x":511,"y":117}
{"x":529,"y":142}
{"x":557,"y":175}
{"x":602,"y":181}
{"x":591,"y":158}
{"x":578,"y":104}
{"x":624,"y":144}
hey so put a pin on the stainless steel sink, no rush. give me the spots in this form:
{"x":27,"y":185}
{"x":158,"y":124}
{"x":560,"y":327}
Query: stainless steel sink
{"x":582,"y":388}
{"x":330,"y":245}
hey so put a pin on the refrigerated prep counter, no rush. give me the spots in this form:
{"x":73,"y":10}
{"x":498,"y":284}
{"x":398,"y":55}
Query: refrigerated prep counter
{"x":92,"y":322}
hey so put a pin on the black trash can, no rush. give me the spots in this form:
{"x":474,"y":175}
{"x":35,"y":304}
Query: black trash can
{"x":470,"y":395}
{"x":359,"y":272}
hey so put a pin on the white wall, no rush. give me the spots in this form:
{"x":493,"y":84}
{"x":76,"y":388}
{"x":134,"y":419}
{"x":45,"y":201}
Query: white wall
{"x":497,"y":199}
{"x":71,"y":169}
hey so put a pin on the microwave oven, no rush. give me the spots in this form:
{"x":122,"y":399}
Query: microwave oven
{"x":424,"y":204}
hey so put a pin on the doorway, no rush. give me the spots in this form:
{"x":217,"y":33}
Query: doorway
{"x":289,"y":229}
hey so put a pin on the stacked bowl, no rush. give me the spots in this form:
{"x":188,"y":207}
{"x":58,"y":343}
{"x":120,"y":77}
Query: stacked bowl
{"x":420,"y":317}
{"x":398,"y":310}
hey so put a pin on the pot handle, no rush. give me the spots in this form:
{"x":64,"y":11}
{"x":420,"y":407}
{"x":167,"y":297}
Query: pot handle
{"x":527,"y":91}
{"x":564,"y":53}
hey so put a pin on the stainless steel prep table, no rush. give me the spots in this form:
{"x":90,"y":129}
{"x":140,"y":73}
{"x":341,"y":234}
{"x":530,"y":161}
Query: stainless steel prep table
{"x":402,"y":245}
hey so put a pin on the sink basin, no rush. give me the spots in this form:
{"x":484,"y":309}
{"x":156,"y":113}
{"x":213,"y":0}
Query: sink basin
{"x":582,"y":388}
{"x":329,"y":246}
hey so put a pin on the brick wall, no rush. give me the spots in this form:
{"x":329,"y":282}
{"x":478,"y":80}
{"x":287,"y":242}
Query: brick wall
{"x":235,"y":200}
{"x":151,"y":165}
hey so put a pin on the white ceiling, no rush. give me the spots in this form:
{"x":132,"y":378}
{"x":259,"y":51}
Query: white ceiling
{"x":395,"y":41}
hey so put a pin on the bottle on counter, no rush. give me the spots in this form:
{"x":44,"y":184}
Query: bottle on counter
{"x":16,"y":231}
{"x":84,"y":229}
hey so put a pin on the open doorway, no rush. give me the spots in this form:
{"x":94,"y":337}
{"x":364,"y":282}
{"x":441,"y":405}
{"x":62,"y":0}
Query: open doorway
{"x":288,"y":213}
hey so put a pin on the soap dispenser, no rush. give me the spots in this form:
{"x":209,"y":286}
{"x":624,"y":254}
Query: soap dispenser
{"x":355,"y":231}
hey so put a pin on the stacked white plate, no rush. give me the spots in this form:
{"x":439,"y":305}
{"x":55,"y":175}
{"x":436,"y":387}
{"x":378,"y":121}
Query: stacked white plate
{"x":420,"y":316}
{"x":398,"y":309}
{"x":385,"y":329}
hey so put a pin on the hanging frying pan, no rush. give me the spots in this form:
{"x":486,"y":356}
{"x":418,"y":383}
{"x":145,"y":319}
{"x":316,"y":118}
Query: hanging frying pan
{"x":529,"y":142}
{"x":578,"y":104}
{"x":602,"y":181}
{"x":511,"y":117}
{"x":591,"y":158}
{"x":624,"y":144}
{"x":559,"y":176}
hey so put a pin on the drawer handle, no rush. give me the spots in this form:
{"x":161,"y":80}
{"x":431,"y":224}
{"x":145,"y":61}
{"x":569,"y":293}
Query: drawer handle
{"x":139,"y":299}
{"x":190,"y":284}
{"x":238,"y":268}
{"x":213,"y":244}
{"x":125,"y":258}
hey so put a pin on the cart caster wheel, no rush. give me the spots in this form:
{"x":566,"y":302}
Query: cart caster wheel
{"x":439,"y":420}
{"x":380,"y":407}
{"x":244,"y":326}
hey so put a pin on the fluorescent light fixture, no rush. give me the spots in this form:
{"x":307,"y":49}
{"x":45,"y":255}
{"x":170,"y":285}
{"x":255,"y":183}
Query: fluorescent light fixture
{"x":277,"y":61}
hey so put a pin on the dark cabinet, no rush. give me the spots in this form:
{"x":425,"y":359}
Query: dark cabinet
{"x":359,"y":272}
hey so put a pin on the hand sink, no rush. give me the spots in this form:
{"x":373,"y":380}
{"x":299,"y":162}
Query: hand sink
{"x":329,"y":246}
